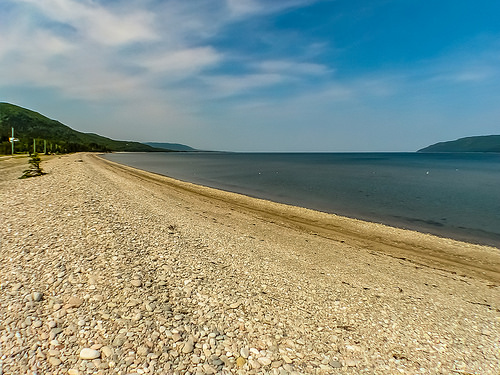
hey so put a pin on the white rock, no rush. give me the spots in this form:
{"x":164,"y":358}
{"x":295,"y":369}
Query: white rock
{"x":244,"y":352}
{"x":264,"y":361}
{"x":88,"y":353}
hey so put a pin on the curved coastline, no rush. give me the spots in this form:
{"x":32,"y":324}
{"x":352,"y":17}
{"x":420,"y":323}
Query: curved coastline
{"x":361,"y":189}
{"x":420,"y":248}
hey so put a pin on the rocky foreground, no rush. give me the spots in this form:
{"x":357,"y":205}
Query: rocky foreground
{"x":106,"y":270}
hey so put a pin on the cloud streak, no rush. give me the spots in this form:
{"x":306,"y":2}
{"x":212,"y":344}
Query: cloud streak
{"x":101,"y":25}
{"x":181,"y":63}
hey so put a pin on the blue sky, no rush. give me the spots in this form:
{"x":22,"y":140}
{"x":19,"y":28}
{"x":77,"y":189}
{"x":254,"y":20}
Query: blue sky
{"x":255,"y":75}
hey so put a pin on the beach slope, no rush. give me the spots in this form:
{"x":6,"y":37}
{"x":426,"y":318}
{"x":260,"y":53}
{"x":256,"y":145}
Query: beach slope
{"x":109,"y":269}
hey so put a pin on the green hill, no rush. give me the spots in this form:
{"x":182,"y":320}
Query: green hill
{"x":486,"y":143}
{"x":29,"y":125}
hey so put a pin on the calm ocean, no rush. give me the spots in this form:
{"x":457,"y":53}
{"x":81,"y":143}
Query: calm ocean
{"x":451,"y":195}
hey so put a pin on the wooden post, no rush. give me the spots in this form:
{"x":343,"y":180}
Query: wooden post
{"x":44,"y":146}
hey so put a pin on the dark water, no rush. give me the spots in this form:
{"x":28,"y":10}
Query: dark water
{"x":451,"y":195}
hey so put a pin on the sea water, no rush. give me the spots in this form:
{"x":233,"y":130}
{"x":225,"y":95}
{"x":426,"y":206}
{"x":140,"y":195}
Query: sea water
{"x":455,"y":195}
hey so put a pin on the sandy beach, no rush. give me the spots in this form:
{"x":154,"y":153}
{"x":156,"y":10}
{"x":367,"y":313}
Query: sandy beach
{"x":111,"y":270}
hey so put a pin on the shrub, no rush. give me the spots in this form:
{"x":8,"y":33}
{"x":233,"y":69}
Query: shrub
{"x":34,"y":169}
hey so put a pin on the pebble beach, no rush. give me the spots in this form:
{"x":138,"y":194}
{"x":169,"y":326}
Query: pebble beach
{"x":106,"y":269}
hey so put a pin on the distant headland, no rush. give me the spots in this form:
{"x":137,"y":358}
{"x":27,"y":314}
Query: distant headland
{"x":170,"y":146}
{"x":486,"y":143}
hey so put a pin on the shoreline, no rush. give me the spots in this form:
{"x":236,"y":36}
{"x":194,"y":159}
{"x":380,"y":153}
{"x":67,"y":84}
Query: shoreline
{"x":405,"y":244}
{"x":107,"y":269}
{"x":464,"y":230}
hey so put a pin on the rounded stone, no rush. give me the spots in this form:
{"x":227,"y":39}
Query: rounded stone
{"x":88,"y":353}
{"x":137,"y":283}
{"x":244,"y":352}
{"x":264,"y":361}
{"x":54,"y":361}
{"x":335,"y":364}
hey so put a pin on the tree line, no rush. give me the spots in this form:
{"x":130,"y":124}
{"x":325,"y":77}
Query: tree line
{"x":25,"y":146}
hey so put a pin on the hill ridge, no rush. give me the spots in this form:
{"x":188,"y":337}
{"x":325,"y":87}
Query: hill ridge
{"x":170,"y":146}
{"x":481,"y":143}
{"x":29,"y":124}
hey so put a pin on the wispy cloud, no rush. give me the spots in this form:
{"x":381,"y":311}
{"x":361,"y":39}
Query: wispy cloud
{"x":262,"y":75}
{"x":117,"y":26}
{"x":181,"y":63}
{"x":225,"y":85}
{"x":246,"y":8}
{"x":464,"y":74}
{"x":89,"y":49}
{"x":292,"y":67}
